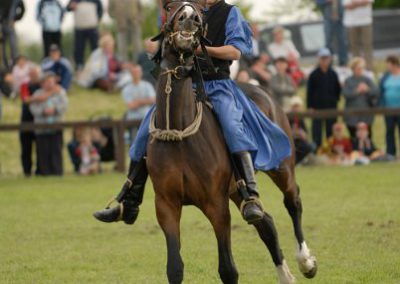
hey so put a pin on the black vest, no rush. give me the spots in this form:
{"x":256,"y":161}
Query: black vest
{"x":216,"y":18}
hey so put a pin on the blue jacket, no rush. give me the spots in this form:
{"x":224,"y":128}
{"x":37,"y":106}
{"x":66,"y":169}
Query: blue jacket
{"x":62,"y":68}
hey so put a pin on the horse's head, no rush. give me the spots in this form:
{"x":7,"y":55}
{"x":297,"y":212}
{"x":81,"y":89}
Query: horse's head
{"x":184,"y":27}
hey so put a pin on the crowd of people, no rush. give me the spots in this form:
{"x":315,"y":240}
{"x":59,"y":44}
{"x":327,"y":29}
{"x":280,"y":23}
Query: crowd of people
{"x":117,"y":66}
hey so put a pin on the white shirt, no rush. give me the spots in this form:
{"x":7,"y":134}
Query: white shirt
{"x":283,"y":49}
{"x":361,"y":16}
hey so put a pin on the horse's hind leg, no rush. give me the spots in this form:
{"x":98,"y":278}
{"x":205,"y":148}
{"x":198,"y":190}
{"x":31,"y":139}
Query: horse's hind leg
{"x":220,"y":218}
{"x":268,"y":234}
{"x":284,"y":178}
{"x":168,"y":215}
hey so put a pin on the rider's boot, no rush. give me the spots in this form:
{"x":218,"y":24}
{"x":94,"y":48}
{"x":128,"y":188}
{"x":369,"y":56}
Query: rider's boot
{"x":251,"y":208}
{"x":130,"y":197}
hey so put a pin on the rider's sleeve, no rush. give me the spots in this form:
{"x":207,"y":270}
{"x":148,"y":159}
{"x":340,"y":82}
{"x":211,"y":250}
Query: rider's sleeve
{"x":238,"y":32}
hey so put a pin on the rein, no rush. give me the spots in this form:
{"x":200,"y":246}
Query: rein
{"x":174,"y":134}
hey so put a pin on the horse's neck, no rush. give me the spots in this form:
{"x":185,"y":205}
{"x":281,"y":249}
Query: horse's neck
{"x":182,"y":105}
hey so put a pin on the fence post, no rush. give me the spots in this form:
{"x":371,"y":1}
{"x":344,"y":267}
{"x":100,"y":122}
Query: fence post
{"x":119,"y":129}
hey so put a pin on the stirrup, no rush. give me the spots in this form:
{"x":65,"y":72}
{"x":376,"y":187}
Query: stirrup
{"x":254,"y":201}
{"x":121,"y":207}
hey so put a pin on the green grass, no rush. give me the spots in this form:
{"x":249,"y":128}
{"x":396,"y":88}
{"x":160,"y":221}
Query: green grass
{"x":47,"y":233}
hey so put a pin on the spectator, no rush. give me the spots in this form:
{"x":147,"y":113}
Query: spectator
{"x":50,"y":15}
{"x":332,"y":12}
{"x":5,"y":87}
{"x":59,"y":65}
{"x":145,"y":61}
{"x":281,"y":47}
{"x":49,"y":109}
{"x":359,"y":92}
{"x":127,"y":15}
{"x":20,"y":72}
{"x":323,"y":92}
{"x":364,"y":149}
{"x":358,"y":20}
{"x":281,"y":84}
{"x":338,"y":147}
{"x":87,"y":16}
{"x":391,"y":99}
{"x":27,"y":138}
{"x":299,"y":131}
{"x":10,"y":12}
{"x":89,"y":158}
{"x":260,"y":70}
{"x":139,"y":95}
{"x":102,"y":68}
{"x":245,"y":78}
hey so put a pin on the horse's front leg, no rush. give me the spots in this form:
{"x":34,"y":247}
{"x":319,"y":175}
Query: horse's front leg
{"x":268,"y":234}
{"x":220,"y":218}
{"x":284,"y":178}
{"x":168,"y":216}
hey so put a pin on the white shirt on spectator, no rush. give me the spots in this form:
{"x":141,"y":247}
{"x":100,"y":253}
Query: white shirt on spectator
{"x":284,"y":49}
{"x":361,"y":16}
{"x":132,"y":92}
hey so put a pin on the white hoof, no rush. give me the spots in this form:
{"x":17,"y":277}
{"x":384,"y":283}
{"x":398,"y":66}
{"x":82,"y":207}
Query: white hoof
{"x":284,"y":274}
{"x":307,"y":262}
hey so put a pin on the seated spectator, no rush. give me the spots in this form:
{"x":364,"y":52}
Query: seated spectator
{"x":89,"y":158}
{"x":102,"y":70}
{"x":20,"y":73}
{"x":281,"y":47}
{"x":145,"y":61}
{"x":364,"y":149}
{"x":5,"y":87}
{"x":139,"y":95}
{"x":50,"y":108}
{"x":338,"y":148}
{"x":27,"y":138}
{"x":59,"y":65}
{"x":390,"y":98}
{"x":260,"y":70}
{"x":281,"y":84}
{"x":359,"y":92}
{"x":299,"y":131}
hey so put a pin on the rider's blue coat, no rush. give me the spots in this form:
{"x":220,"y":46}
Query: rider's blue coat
{"x":244,"y":126}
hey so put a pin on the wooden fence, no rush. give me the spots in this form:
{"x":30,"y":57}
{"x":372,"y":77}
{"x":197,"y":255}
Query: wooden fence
{"x":119,"y":126}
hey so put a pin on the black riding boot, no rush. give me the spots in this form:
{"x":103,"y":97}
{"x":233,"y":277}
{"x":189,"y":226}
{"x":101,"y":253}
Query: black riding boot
{"x":130,"y":197}
{"x":251,"y":207}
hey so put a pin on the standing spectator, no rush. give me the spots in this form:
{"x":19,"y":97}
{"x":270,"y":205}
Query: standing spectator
{"x":281,"y":84}
{"x":10,"y":12}
{"x":359,"y":92}
{"x":50,"y":109}
{"x":102,"y":70}
{"x":50,"y":15}
{"x":358,"y":20}
{"x":391,"y":99}
{"x":20,"y":72}
{"x":139,"y":95}
{"x":127,"y":15}
{"x":145,"y":61}
{"x":87,"y":16}
{"x":27,"y":138}
{"x":332,"y":12}
{"x":59,"y":65}
{"x":323,"y":92}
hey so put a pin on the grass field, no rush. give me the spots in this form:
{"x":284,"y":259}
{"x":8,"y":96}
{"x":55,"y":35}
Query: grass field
{"x":47,"y":233}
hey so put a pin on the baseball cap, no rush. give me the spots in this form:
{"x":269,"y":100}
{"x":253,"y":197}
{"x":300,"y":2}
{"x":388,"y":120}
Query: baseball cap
{"x":324,"y":52}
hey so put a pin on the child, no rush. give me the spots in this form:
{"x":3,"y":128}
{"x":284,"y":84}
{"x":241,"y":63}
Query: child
{"x":88,"y":154}
{"x":337,"y":148}
{"x":364,"y":149}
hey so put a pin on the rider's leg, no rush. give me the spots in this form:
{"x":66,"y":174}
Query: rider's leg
{"x":230,"y":116}
{"x":131,"y":194}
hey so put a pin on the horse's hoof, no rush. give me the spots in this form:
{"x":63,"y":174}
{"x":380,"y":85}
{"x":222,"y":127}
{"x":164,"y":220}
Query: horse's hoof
{"x":311,"y":274}
{"x":284,"y":274}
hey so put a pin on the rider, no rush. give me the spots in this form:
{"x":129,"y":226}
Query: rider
{"x":251,"y":137}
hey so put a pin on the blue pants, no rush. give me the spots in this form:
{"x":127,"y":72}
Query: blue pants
{"x":335,"y":30}
{"x":244,"y":126}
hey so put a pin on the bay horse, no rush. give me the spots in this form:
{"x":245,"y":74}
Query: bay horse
{"x":188,"y":161}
